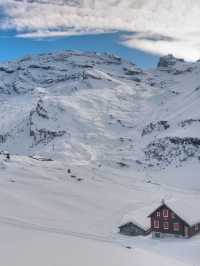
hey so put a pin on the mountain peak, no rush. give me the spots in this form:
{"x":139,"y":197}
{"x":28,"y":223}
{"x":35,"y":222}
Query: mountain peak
{"x":168,"y":61}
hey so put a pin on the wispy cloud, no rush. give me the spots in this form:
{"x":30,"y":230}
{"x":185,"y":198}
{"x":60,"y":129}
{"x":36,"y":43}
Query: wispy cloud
{"x":162,"y":26}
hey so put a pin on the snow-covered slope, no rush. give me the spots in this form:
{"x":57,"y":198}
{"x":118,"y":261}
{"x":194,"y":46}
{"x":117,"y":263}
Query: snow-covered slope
{"x":92,"y":137}
{"x":175,"y":124}
{"x":61,"y":251}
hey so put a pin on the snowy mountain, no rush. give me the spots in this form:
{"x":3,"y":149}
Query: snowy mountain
{"x":92,"y":137}
{"x":101,"y":109}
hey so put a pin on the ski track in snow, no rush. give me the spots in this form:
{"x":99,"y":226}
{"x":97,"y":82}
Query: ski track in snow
{"x":14,"y":222}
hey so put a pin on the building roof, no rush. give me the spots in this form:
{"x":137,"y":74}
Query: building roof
{"x":139,"y":217}
{"x":187,"y":208}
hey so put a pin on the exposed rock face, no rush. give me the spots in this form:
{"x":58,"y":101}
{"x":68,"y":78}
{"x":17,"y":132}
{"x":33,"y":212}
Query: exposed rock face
{"x":173,"y":150}
{"x":168,"y":61}
{"x":189,"y":122}
{"x":3,"y":138}
{"x":42,"y":135}
{"x":45,"y":136}
{"x":40,"y":110}
{"x":155,"y":127}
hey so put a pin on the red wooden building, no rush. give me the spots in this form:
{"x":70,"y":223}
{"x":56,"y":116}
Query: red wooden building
{"x":180,"y":218}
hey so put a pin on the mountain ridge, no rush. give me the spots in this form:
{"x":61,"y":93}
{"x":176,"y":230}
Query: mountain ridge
{"x":107,"y":98}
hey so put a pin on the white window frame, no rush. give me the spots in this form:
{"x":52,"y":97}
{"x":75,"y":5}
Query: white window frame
{"x":166,"y":225}
{"x":165,"y":213}
{"x":176,"y":227}
{"x":156,"y":224}
{"x":158,"y":213}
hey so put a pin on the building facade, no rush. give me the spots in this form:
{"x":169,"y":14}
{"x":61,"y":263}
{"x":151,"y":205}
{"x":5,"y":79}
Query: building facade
{"x":165,"y":222}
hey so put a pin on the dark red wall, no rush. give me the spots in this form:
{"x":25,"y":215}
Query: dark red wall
{"x":193,"y":231}
{"x":170,"y":219}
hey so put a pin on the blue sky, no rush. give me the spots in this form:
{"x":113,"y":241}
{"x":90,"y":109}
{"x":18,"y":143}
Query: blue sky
{"x":12,"y":47}
{"x":148,"y":28}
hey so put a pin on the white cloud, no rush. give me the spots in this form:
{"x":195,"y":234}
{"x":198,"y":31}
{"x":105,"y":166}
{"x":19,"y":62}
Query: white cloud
{"x":40,"y":34}
{"x":176,"y":21}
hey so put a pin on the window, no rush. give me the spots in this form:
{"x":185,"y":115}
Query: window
{"x":196,"y":227}
{"x":156,"y":224}
{"x":165,"y":213}
{"x":166,"y":225}
{"x":173,"y":215}
{"x":158,"y":214}
{"x":176,"y":227}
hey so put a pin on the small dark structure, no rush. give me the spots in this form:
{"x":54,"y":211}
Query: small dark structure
{"x":136,"y":223}
{"x":131,"y":229}
{"x":180,"y":218}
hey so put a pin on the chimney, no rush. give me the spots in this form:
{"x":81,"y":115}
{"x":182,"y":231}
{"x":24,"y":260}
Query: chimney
{"x":163,"y":201}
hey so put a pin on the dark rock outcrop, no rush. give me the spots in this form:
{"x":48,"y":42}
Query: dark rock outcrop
{"x":3,"y":138}
{"x":189,"y":122}
{"x":155,"y":127}
{"x":168,"y":61}
{"x":42,"y":135}
{"x":40,"y":110}
{"x":45,"y":136}
{"x":166,"y":151}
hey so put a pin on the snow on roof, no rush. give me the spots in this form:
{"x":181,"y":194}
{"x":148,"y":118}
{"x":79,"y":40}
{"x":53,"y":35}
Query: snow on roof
{"x":139,"y":217}
{"x":187,"y":209}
